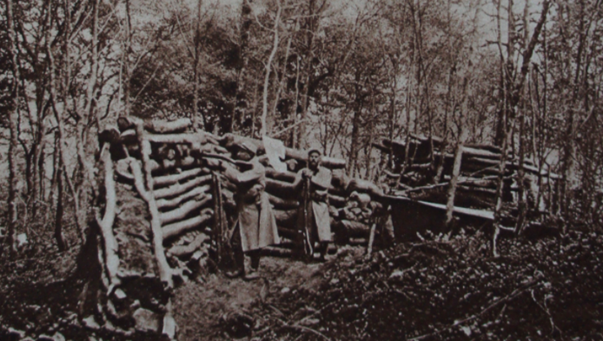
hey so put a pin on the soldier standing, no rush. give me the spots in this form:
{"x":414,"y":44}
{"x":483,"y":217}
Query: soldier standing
{"x":255,"y":225}
{"x":313,"y":215}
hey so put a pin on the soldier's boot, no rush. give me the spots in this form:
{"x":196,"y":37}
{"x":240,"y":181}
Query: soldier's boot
{"x":323,"y":248}
{"x":252,"y":265}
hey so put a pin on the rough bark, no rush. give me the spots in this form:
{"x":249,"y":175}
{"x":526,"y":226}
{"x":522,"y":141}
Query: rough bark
{"x":264,"y":128}
{"x":188,"y":249}
{"x":111,"y":260}
{"x":198,"y":193}
{"x":178,"y":188}
{"x":197,"y":120}
{"x":165,"y":272}
{"x":13,"y":122}
{"x":154,"y":125}
{"x":456,"y":170}
{"x":178,"y":228}
{"x":174,"y":178}
{"x":282,"y":204}
{"x":183,"y":211}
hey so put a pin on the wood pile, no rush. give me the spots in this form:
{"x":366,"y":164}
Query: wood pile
{"x":165,"y":211}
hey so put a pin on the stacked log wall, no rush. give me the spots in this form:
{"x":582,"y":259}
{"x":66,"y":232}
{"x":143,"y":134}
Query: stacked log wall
{"x":164,"y":228}
{"x":479,"y":169}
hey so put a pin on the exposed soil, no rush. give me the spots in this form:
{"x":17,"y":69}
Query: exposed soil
{"x":551,"y":289}
{"x":205,"y":308}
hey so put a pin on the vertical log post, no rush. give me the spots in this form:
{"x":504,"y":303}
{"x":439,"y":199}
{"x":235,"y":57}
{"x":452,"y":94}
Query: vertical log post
{"x":146,"y":192}
{"x":106,"y":223}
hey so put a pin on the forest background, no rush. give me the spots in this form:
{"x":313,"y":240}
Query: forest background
{"x":521,"y":75}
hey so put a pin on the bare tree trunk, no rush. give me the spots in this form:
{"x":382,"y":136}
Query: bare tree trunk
{"x":84,"y":170}
{"x":268,"y":69}
{"x":58,"y":222}
{"x":242,"y":63}
{"x":458,"y":156}
{"x":368,"y":150}
{"x":196,"y":120}
{"x":502,"y":124}
{"x":522,"y":202}
{"x":392,"y":121}
{"x":440,"y":165}
{"x":126,"y":58}
{"x":281,"y":81}
{"x":13,"y":122}
{"x":294,"y":131}
{"x":353,"y":158}
{"x":456,"y":170}
{"x":310,"y":29}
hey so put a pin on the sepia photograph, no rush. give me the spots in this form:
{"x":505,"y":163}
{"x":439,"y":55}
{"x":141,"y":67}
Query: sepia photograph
{"x":301,"y":170}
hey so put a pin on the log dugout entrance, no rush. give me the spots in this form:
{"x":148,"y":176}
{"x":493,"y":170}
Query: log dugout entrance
{"x":167,"y":211}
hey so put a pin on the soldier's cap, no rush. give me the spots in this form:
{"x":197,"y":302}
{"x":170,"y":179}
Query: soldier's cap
{"x":248,"y":147}
{"x":314,"y":150}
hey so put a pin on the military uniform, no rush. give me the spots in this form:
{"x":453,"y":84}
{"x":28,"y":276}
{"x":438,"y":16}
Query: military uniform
{"x":320,"y":181}
{"x":255,"y":225}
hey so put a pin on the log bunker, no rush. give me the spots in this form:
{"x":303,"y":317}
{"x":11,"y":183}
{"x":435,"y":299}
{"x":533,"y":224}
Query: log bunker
{"x":165,"y":209}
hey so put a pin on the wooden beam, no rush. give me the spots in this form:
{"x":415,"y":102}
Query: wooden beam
{"x":201,"y":192}
{"x":178,"y":228}
{"x":178,"y":188}
{"x":183,"y":211}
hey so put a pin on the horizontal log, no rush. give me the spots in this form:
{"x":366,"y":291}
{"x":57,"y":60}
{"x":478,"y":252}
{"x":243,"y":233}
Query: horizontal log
{"x":358,"y":241}
{"x":436,"y":140}
{"x":336,"y":200}
{"x":289,"y":233}
{"x":419,"y":150}
{"x":381,"y":147}
{"x":163,"y":127}
{"x":420,"y":166}
{"x":281,"y":176}
{"x":176,"y":229}
{"x":201,"y":192}
{"x":282,"y":204}
{"x":286,"y":218}
{"x":487,"y":147}
{"x":355,"y":229}
{"x":168,"y":165}
{"x":183,"y":211}
{"x":276,"y":251}
{"x":477,"y":189}
{"x":281,"y":189}
{"x":231,"y":140}
{"x":178,"y":188}
{"x":190,"y":248}
{"x":339,"y":179}
{"x":489,"y":182}
{"x":129,"y":138}
{"x":198,"y":149}
{"x":486,"y":154}
{"x":365,"y":187}
{"x":156,"y":126}
{"x":173,"y":178}
{"x":200,"y":137}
